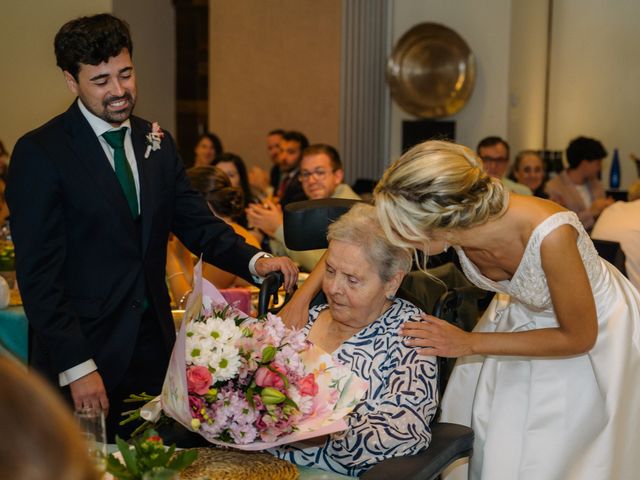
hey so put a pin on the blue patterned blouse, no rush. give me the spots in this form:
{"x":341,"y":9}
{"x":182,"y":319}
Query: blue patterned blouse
{"x":393,"y":419}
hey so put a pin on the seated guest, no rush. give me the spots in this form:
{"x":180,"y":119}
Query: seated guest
{"x":4,"y":162}
{"x":494,"y":153}
{"x":528,"y":169}
{"x":621,"y":223}
{"x":360,"y":326}
{"x":291,"y":146}
{"x":207,"y":148}
{"x":40,"y":440}
{"x":274,"y":137}
{"x":234,"y":167}
{"x":225,"y":202}
{"x":321,"y":176}
{"x":578,"y":187}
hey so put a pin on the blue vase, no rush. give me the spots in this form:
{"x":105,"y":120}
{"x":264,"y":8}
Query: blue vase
{"x":614,"y":173}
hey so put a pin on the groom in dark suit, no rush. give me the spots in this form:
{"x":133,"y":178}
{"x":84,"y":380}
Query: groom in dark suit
{"x":93,"y":195}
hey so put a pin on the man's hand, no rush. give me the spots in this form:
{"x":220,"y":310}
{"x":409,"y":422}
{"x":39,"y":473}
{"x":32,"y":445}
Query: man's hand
{"x":267,"y":217}
{"x":88,"y":391}
{"x":267,"y":265}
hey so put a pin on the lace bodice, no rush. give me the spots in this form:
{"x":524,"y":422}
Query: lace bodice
{"x":529,"y":284}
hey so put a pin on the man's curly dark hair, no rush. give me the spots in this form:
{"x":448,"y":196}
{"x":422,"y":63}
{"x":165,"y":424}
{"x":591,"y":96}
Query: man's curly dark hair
{"x":90,"y":41}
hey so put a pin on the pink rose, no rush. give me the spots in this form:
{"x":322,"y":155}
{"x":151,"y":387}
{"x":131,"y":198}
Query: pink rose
{"x":198,"y":380}
{"x":267,"y":378}
{"x":308,"y":385}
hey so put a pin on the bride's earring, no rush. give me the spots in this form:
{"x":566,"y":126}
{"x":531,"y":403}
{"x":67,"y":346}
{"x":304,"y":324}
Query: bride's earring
{"x":390,"y":296}
{"x":446,"y":247}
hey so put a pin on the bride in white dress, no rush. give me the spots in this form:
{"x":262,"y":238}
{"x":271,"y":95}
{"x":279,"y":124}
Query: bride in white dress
{"x":548,"y":380}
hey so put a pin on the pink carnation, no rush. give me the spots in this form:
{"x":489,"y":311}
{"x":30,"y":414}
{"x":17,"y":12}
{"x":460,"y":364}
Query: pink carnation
{"x":198,"y":379}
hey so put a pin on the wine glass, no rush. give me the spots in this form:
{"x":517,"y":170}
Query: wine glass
{"x":92,"y":428}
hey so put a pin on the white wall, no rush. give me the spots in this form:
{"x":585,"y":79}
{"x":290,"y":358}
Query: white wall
{"x":527,"y":74}
{"x":32,"y":86}
{"x":485,"y":26}
{"x":595,"y":77}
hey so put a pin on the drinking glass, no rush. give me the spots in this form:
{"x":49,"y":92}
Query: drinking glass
{"x":92,"y":429}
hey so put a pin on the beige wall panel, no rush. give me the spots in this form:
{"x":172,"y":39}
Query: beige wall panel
{"x":32,"y":86}
{"x":273,"y":64}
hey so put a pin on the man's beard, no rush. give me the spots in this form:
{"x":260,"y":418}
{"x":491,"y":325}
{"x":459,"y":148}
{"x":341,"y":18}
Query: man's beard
{"x":117,"y":116}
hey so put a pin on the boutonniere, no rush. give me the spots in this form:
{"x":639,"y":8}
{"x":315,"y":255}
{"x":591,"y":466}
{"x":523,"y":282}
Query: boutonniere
{"x":154,"y":137}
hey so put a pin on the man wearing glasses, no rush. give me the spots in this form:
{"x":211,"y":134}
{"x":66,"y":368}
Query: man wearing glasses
{"x":494,"y":153}
{"x":321,"y":176}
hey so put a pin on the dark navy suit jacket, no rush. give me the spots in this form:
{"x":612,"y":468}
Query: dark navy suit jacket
{"x":84,"y":267}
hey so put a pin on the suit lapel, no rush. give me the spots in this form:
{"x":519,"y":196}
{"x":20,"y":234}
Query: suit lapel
{"x":139,"y":130}
{"x":87,"y":148}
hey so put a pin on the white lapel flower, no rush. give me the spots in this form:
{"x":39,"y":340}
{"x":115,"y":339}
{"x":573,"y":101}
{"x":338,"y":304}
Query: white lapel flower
{"x":154,"y":137}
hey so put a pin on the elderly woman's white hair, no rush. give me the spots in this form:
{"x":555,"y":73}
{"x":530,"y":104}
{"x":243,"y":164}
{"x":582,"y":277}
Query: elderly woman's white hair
{"x":360,"y":226}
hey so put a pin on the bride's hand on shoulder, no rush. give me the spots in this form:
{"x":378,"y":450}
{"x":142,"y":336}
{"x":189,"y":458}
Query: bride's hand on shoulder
{"x":437,"y":337}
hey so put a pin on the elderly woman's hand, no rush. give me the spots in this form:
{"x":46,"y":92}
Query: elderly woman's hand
{"x":438,"y":337}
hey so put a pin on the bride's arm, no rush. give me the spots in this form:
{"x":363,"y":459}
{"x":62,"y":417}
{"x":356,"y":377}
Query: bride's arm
{"x":573,"y":304}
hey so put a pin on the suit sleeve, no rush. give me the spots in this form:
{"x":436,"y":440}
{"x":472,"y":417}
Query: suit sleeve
{"x":203,"y":233}
{"x":37,"y":220}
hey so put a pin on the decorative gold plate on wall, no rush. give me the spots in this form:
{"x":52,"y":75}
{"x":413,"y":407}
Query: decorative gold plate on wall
{"x":431,"y":71}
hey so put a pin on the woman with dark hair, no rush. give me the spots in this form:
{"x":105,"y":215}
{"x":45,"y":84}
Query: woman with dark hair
{"x":225,"y":202}
{"x":207,"y":148}
{"x":234,"y":167}
{"x":528,"y":169}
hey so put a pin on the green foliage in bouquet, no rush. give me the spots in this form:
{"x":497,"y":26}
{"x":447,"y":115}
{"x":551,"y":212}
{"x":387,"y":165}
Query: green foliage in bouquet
{"x":147,"y":454}
{"x":7,"y":257}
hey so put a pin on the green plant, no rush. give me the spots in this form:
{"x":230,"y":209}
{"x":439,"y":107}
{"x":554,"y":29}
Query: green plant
{"x":7,"y":257}
{"x":145,"y":454}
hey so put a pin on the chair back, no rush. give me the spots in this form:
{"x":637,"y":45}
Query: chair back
{"x":612,"y":253}
{"x":306,"y":223}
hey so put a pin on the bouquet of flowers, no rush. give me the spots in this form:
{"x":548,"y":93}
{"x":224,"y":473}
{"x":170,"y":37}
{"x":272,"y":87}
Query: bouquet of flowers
{"x":252,"y":383}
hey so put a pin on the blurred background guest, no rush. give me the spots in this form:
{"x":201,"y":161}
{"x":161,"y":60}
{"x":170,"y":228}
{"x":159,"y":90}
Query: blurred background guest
{"x":578,"y":188}
{"x":226,"y":202}
{"x":40,"y":439}
{"x":494,"y":153}
{"x":291,"y":146}
{"x":4,"y":161}
{"x":528,"y":169}
{"x":621,"y":223}
{"x":234,"y":167}
{"x":207,"y":148}
{"x":321,"y":176}
{"x":274,"y":137}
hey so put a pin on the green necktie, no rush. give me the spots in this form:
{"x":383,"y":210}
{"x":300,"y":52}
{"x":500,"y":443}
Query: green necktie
{"x":115,"y":139}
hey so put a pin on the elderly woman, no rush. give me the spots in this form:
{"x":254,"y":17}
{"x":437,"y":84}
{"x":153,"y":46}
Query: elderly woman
{"x":360,"y":326}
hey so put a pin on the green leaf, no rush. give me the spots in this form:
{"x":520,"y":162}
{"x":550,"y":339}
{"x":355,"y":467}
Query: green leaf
{"x":129,"y":456}
{"x":117,"y":469}
{"x":183,"y":459}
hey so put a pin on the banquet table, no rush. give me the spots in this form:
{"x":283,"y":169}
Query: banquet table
{"x":306,"y":473}
{"x":14,"y":331}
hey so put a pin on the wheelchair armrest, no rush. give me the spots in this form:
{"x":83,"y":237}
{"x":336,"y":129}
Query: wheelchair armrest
{"x":449,"y":442}
{"x":269,"y":290}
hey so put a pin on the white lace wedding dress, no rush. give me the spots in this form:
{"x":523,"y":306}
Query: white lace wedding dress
{"x":569,"y":418}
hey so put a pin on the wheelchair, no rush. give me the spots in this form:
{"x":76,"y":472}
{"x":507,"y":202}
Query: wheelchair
{"x":305,"y":228}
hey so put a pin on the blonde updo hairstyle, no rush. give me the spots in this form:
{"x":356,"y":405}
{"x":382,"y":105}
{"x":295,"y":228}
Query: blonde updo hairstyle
{"x":436,"y":186}
{"x":360,"y":226}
